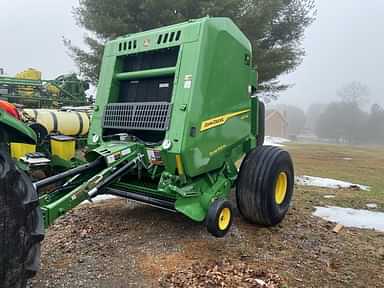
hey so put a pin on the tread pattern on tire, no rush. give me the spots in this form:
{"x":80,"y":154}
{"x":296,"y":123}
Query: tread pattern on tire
{"x":21,"y":226}
{"x":256,"y":184}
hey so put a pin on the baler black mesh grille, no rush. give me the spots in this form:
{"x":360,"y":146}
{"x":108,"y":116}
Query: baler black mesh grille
{"x":137,"y":116}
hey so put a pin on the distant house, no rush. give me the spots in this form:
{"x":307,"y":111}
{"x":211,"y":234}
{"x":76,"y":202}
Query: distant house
{"x":276,"y":124}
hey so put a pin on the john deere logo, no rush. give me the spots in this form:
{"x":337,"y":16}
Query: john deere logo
{"x":146,"y":42}
{"x":217,"y":121}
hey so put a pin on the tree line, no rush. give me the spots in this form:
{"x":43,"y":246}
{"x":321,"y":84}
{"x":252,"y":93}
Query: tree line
{"x":348,"y":120}
{"x":274,"y":27}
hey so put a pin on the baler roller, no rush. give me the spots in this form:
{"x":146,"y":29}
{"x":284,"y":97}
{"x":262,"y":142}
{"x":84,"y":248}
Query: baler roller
{"x":150,"y":73}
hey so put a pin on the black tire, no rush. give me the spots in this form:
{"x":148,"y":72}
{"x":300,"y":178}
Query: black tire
{"x":4,"y":139}
{"x":214,"y":217}
{"x":256,"y":195}
{"x":40,"y":131}
{"x":21,"y":226}
{"x":261,"y":129}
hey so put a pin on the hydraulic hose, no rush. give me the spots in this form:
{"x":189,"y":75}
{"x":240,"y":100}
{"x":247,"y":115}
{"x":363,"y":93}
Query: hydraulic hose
{"x":99,"y":163}
{"x":111,"y":178}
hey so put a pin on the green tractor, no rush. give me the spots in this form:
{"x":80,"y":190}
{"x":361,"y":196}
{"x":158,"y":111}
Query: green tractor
{"x":175,"y":111}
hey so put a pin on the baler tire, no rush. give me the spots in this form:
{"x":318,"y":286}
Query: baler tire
{"x":215,"y":217}
{"x":265,"y":185}
{"x":21,"y":226}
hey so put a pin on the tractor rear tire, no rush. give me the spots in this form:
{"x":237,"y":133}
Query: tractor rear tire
{"x":21,"y":226}
{"x":265,"y":185}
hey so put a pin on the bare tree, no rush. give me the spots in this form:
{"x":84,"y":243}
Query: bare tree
{"x":313,"y":113}
{"x":355,"y":93}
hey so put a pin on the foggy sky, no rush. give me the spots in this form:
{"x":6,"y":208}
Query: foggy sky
{"x":31,"y":36}
{"x":344,"y":44}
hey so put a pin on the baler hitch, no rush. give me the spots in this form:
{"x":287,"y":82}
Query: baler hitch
{"x":100,"y":176}
{"x":95,"y":165}
{"x":113,"y":177}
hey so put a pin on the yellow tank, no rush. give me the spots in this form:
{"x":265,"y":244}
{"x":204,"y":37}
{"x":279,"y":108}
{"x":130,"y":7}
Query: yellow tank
{"x":19,"y":150}
{"x":66,"y":123}
{"x":53,"y":89}
{"x":29,"y":74}
{"x":63,"y":146}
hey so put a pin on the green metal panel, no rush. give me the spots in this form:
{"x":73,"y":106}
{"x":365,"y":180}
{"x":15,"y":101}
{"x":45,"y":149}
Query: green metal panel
{"x":19,"y":82}
{"x":220,"y":89}
{"x":15,"y":130}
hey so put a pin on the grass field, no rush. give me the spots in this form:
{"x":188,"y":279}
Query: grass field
{"x":360,"y":165}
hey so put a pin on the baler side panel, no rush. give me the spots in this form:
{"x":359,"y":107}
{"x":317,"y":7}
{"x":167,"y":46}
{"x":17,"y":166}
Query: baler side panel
{"x":179,"y":131}
{"x":220,"y":94}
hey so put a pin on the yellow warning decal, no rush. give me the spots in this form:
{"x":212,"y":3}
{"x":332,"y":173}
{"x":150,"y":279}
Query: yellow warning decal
{"x":217,"y":121}
{"x":179,"y":165}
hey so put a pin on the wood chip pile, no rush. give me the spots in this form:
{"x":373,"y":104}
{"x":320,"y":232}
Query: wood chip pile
{"x":221,"y":274}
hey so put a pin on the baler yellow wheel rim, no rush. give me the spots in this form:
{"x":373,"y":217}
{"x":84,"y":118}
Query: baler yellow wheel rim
{"x":281,"y":188}
{"x":224,"y":218}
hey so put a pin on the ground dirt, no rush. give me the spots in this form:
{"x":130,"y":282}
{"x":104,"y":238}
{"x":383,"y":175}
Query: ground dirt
{"x":120,"y":244}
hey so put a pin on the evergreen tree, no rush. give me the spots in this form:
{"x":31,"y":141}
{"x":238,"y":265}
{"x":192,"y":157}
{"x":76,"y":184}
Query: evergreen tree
{"x":275,"y":28}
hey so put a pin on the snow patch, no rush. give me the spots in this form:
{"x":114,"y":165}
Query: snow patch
{"x":349,"y":217}
{"x":327,"y":183}
{"x":275,"y":141}
{"x":372,"y":206}
{"x":99,"y":198}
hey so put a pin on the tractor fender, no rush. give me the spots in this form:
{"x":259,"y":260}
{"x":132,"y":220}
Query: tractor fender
{"x":14,"y":130}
